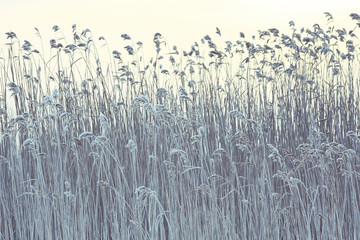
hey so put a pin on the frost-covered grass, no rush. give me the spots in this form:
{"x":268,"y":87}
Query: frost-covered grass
{"x":259,"y":139}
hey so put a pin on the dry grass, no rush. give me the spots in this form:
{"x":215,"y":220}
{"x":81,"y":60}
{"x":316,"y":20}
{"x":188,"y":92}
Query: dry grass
{"x":253,"y":140}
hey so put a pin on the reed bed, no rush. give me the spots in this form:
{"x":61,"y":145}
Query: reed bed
{"x":256,"y":139}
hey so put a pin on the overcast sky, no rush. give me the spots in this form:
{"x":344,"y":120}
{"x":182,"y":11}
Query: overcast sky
{"x":181,"y":22}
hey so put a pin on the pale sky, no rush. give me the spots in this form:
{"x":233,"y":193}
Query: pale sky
{"x":181,"y":22}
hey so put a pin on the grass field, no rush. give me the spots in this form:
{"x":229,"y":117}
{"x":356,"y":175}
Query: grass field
{"x":256,"y":139}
